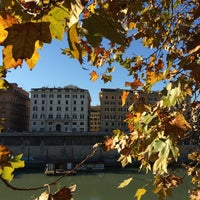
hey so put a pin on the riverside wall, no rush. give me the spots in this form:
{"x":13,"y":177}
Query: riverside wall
{"x":41,"y":148}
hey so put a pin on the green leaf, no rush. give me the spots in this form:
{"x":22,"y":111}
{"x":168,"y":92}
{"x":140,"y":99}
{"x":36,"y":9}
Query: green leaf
{"x":101,"y":25}
{"x":125,"y":183}
{"x":24,"y":43}
{"x":57,"y":18}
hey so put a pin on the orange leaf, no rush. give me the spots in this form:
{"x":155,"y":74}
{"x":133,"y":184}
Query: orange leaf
{"x":124,"y":97}
{"x":8,"y":60}
{"x":160,"y":65}
{"x":5,"y":23}
{"x":153,"y":77}
{"x":94,"y":76}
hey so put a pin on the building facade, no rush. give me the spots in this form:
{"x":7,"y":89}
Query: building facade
{"x":111,"y":110}
{"x":95,"y":119}
{"x":14,"y":109}
{"x":59,"y":109}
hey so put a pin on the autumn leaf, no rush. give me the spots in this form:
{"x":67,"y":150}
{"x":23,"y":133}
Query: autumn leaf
{"x":153,"y":77}
{"x":73,"y":41}
{"x":124,"y":97}
{"x":64,"y":193}
{"x":94,"y":76}
{"x":108,"y":143}
{"x":106,"y":78}
{"x":139,"y":193}
{"x":35,"y":57}
{"x":106,"y":28}
{"x":57,"y":18}
{"x":76,"y":9}
{"x":23,"y":44}
{"x":7,"y":173}
{"x":8,"y":60}
{"x":6,"y":22}
{"x":125,"y":183}
{"x":180,"y":122}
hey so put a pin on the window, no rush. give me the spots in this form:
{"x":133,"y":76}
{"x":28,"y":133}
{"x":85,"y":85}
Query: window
{"x":35,"y":108}
{"x":42,"y":108}
{"x":35,"y":95}
{"x":51,"y":102}
{"x":58,"y":108}
{"x":74,"y":116}
{"x":66,"y":102}
{"x":74,"y":109}
{"x":43,"y":95}
{"x":35,"y":101}
{"x":82,"y":108}
{"x":50,"y":108}
{"x":58,"y":101}
{"x":67,"y":96}
{"x":74,"y":101}
{"x":81,"y":116}
{"x":51,"y":96}
{"x":66,"y":116}
{"x":34,"y":116}
{"x":43,"y":101}
{"x":58,"y":116}
{"x":74,"y":96}
{"x":82,"y":102}
{"x":82,"y":123}
{"x":73,"y":123}
{"x":66,"y":109}
{"x":59,"y":96}
{"x":50,"y":116}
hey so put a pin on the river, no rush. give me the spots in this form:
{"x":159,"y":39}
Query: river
{"x":90,"y":186}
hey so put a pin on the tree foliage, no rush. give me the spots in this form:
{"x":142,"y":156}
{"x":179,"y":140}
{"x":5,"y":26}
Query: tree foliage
{"x":105,"y":33}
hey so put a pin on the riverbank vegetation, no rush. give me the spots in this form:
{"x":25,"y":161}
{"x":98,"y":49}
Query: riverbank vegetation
{"x":105,"y":33}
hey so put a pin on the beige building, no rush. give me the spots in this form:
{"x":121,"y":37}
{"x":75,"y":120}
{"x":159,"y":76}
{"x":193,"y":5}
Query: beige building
{"x":95,"y":119}
{"x":111,"y":110}
{"x":14,"y":108}
{"x":59,"y":109}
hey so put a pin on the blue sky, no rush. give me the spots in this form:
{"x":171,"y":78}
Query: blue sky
{"x":55,"y":69}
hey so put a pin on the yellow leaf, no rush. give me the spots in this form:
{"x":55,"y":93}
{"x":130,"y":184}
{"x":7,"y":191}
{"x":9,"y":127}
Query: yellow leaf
{"x":8,"y":60}
{"x":124,"y":97}
{"x":74,"y":43}
{"x":125,"y":183}
{"x":94,"y":76}
{"x":131,"y":25}
{"x":35,"y":57}
{"x":5,"y":23}
{"x":153,"y":77}
{"x":139,"y":193}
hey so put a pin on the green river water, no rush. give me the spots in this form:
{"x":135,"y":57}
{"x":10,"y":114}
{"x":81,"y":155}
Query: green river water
{"x":90,"y":186}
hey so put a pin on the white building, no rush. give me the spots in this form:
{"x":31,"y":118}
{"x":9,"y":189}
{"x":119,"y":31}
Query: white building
{"x":59,"y":109}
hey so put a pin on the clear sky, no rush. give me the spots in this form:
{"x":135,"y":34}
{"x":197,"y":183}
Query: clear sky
{"x":57,"y":70}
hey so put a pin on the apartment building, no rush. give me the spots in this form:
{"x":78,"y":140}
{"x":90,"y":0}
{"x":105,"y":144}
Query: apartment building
{"x":111,"y":110}
{"x":14,"y":109}
{"x":95,"y":119}
{"x":59,"y":109}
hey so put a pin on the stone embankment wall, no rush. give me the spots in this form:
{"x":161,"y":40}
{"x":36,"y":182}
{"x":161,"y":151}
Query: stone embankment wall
{"x":41,"y":148}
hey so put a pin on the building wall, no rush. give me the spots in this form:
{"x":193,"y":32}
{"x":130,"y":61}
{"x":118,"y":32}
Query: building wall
{"x":59,"y":109}
{"x":112,"y":112}
{"x":95,"y":119}
{"x":14,"y":108}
